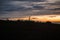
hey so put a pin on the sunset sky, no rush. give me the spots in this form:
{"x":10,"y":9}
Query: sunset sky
{"x":20,"y":8}
{"x":40,"y":18}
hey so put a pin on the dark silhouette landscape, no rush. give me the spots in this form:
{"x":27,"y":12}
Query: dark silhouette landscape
{"x":27,"y":30}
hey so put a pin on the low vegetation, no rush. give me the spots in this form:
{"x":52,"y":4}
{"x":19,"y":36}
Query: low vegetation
{"x":25,"y":30}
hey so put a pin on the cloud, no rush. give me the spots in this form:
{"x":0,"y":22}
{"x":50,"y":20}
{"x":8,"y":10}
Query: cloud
{"x":52,"y":1}
{"x":27,"y":13}
{"x":16,"y":8}
{"x":56,"y":3}
{"x":53,"y":5}
{"x":32,"y":0}
{"x":38,"y":7}
{"x":55,"y":9}
{"x":19,"y":6}
{"x":25,"y":0}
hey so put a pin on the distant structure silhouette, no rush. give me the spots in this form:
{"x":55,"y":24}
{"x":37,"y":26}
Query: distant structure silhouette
{"x":29,"y":18}
{"x":7,"y":19}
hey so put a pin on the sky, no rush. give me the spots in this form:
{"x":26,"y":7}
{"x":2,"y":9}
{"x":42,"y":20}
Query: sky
{"x":19,"y":8}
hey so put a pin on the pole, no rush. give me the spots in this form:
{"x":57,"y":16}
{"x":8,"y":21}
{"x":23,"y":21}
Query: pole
{"x":29,"y":18}
{"x":7,"y":18}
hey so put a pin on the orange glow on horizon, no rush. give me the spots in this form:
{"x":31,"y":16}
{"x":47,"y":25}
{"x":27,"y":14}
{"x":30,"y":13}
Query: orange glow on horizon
{"x":42,"y":18}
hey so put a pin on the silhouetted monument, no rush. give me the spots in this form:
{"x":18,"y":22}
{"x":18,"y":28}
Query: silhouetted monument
{"x":29,"y":18}
{"x":7,"y":19}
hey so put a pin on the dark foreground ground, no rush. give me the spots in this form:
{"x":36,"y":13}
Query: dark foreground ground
{"x":27,"y":30}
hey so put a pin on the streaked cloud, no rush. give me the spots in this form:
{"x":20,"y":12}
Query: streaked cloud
{"x":16,"y":8}
{"x":32,"y":0}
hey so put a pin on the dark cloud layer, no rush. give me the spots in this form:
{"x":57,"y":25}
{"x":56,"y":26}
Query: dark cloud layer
{"x":38,"y":7}
{"x":31,"y":0}
{"x":19,"y":8}
{"x":27,"y":7}
{"x":10,"y":6}
{"x":24,"y":0}
{"x":55,"y":9}
{"x":56,"y":3}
